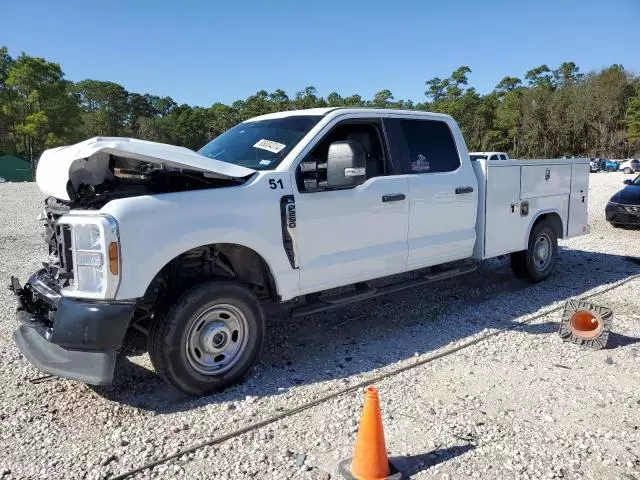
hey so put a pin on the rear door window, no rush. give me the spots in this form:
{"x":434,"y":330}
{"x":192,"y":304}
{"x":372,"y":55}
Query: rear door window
{"x":494,"y":157}
{"x":425,"y":146}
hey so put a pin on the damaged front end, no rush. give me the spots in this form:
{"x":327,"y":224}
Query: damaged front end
{"x":113,"y":167}
{"x":67,"y":337}
{"x":70,"y":323}
{"x":132,"y":178}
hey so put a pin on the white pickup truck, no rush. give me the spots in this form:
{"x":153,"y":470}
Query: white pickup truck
{"x":190,"y":247}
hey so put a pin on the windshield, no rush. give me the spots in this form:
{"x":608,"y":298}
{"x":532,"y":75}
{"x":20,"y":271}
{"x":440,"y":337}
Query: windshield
{"x":478,"y":157}
{"x":261,"y":144}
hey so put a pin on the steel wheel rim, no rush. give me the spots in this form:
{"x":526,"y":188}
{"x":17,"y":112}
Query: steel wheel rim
{"x":217,"y":339}
{"x":542,"y":252}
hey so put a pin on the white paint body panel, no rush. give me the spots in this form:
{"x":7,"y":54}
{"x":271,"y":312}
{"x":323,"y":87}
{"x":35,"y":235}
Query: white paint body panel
{"x":435,"y":238}
{"x":156,"y":228}
{"x":548,"y":186}
{"x":501,"y":224}
{"x":348,"y":236}
{"x":544,"y":180}
{"x":341,"y":237}
{"x":578,"y":200}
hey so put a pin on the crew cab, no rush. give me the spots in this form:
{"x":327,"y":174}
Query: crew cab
{"x":192,"y":247}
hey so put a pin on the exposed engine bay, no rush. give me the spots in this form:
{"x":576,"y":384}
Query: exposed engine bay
{"x":129,"y":178}
{"x":90,"y":189}
{"x":116,"y":167}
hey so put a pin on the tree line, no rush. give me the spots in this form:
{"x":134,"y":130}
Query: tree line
{"x":547,"y":113}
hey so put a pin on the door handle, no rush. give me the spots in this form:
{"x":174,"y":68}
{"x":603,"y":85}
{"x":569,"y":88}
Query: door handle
{"x":461,"y":190}
{"x":393,"y":197}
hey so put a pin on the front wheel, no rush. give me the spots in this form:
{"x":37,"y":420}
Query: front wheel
{"x":537,"y":262}
{"x":627,"y":170}
{"x":209,"y":338}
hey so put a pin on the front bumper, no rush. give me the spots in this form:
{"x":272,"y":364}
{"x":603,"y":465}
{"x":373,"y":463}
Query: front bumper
{"x":620,"y":214}
{"x":66,"y":337}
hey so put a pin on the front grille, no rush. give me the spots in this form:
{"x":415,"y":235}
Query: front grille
{"x":624,"y":209}
{"x":620,"y":213}
{"x":63,"y":243}
{"x":59,"y":238}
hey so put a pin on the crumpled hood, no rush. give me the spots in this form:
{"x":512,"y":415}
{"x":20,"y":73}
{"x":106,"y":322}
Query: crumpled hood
{"x":629,"y":195}
{"x":88,"y":162}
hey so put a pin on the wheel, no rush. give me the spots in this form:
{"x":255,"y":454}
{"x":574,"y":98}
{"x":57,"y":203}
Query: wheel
{"x":209,"y":338}
{"x":537,"y":262}
{"x":627,"y":170}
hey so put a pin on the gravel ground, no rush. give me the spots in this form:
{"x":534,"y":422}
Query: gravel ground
{"x":519,"y":404}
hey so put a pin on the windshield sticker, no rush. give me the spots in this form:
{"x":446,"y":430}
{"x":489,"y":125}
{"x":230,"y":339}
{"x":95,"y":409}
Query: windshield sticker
{"x":269,"y":145}
{"x":265,"y":162}
{"x":421,"y":164}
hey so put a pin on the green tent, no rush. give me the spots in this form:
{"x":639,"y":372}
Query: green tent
{"x":15,"y":169}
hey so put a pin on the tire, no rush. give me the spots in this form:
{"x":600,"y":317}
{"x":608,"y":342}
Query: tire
{"x":627,"y":170}
{"x":209,"y":338}
{"x":527,"y":263}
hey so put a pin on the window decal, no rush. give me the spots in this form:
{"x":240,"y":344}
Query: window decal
{"x":269,"y":145}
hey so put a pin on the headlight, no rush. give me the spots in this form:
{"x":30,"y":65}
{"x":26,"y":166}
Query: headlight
{"x":89,"y":259}
{"x":96,"y":251}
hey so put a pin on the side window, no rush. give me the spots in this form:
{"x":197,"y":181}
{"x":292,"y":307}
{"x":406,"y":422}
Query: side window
{"x":503,"y":156}
{"x":494,"y":157}
{"x":429,"y":146}
{"x":367,"y":134}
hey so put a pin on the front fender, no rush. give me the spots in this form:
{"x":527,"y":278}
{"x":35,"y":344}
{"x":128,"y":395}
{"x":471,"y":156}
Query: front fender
{"x":156,"y":229}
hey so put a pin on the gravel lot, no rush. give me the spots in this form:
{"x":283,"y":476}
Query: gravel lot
{"x":519,"y":404}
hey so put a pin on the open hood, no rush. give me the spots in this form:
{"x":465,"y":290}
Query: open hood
{"x":88,"y":162}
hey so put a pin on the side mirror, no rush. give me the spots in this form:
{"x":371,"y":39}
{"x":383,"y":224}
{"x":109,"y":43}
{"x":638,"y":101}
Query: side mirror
{"x":628,"y":181}
{"x":346,"y":164}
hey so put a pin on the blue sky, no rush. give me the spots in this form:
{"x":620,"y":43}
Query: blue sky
{"x":200,"y":52}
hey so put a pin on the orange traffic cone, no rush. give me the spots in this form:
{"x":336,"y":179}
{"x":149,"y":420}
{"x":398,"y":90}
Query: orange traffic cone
{"x":370,"y":461}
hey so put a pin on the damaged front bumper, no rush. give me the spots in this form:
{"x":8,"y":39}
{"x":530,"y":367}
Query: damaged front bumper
{"x":67,"y":337}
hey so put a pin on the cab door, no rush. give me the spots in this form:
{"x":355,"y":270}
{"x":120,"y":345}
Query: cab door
{"x":356,"y":234}
{"x":443,"y":191}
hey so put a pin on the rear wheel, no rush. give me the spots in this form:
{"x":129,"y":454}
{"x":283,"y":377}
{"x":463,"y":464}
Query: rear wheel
{"x":537,"y":262}
{"x":209,"y":338}
{"x":627,"y":170}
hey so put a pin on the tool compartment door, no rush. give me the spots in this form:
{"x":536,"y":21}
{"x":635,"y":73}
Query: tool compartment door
{"x":578,"y":199}
{"x":504,"y":226}
{"x":545,"y":180}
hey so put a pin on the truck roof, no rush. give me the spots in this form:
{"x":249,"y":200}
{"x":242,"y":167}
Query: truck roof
{"x":326,"y":110}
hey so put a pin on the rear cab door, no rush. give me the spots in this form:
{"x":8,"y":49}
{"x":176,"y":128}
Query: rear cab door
{"x":430,"y":153}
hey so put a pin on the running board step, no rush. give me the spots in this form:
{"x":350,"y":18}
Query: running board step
{"x":360,"y":295}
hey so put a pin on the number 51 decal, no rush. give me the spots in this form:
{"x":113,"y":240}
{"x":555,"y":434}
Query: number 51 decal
{"x":273,"y":184}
